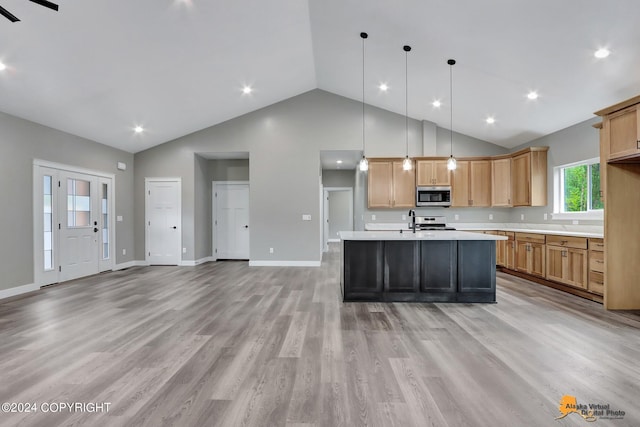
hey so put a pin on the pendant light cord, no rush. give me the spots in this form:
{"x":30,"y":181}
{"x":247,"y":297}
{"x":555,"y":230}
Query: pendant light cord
{"x":406,"y":95}
{"x":451,"y":106}
{"x":363,"y":127}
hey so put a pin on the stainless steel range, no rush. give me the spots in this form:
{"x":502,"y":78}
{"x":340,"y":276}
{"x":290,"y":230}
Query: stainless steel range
{"x":420,"y":223}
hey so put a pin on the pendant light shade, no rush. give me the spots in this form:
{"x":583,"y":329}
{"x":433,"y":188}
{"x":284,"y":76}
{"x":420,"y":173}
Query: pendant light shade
{"x":451,"y":163}
{"x":406,"y":163}
{"x":364,"y":163}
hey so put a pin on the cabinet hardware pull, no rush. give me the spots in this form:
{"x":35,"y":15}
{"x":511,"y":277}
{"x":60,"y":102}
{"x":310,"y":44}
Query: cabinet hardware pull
{"x":599,"y":283}
{"x":563,"y":242}
{"x":599,"y":261}
{"x":638,"y":144}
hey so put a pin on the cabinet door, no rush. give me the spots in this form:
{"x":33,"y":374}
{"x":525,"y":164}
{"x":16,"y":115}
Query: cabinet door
{"x":501,"y":182}
{"x":538,"y":257}
{"x":401,"y":266}
{"x":576,"y":267}
{"x":510,"y":255}
{"x":441,"y":175}
{"x":501,"y":247}
{"x":379,"y":180}
{"x":424,"y":172}
{"x":624,"y":139}
{"x":404,"y":187}
{"x":520,"y":185}
{"x":556,"y":263}
{"x":522,"y":256}
{"x":460,"y":185}
{"x":480,"y":183}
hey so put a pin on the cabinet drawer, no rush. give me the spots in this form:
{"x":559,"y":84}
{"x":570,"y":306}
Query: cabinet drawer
{"x":567,"y":241}
{"x":596,"y":245}
{"x":596,"y":261}
{"x":596,"y":282}
{"x":530,"y":237}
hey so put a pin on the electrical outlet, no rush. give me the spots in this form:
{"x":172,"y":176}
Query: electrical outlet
{"x":545,"y":217}
{"x":490,"y":217}
{"x":521,"y":217}
{"x":184,"y":250}
{"x":124,"y":252}
{"x":373,"y":217}
{"x":270,"y":250}
{"x":456,"y":217}
{"x":404,"y":217}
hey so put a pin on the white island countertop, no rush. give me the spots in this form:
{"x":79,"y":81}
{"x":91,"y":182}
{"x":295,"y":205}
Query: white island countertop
{"x":418,"y":235}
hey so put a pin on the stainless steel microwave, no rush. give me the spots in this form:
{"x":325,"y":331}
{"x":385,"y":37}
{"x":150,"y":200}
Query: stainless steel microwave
{"x":433,"y":196}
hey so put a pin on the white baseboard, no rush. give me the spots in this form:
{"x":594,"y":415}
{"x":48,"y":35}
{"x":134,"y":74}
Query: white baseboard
{"x":18,"y":290}
{"x":196,"y":262}
{"x":333,"y":240}
{"x":284,"y":263}
{"x":129,"y":265}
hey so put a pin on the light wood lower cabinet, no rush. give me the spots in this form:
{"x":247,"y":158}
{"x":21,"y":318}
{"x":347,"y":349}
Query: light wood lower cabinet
{"x":596,"y":266}
{"x":505,"y":250}
{"x":530,"y":253}
{"x":567,"y":260}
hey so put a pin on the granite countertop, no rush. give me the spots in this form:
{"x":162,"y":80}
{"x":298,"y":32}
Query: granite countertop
{"x":419,"y":235}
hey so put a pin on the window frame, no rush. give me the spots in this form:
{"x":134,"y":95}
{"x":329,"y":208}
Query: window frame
{"x":558,"y":193}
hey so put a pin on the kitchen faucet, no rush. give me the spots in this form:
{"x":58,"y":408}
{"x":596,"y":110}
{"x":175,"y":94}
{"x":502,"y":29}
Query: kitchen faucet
{"x":412,"y":214}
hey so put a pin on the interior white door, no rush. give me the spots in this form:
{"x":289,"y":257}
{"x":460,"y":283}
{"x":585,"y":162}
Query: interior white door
{"x":232,"y":221}
{"x":78,"y":226}
{"x":164,"y":234}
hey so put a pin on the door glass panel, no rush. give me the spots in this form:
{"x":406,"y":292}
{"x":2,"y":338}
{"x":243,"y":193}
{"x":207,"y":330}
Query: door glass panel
{"x":48,"y":226}
{"x":104,"y":203}
{"x":78,"y":203}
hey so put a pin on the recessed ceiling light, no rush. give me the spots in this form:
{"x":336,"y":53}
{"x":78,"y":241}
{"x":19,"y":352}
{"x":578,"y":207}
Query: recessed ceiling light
{"x":532,"y":95}
{"x":383,"y":87}
{"x":436,"y":103}
{"x":601,"y":53}
{"x":491,"y":120}
{"x":2,"y":67}
{"x":138,"y":129}
{"x":339,"y":161}
{"x":247,"y":90}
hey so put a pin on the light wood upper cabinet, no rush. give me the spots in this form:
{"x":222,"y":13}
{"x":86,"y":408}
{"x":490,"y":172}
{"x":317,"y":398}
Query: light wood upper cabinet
{"x":389,"y":186}
{"x":460,"y":184}
{"x":480,"y":183}
{"x":404,"y":186}
{"x":501,"y":182}
{"x":380,"y":183}
{"x":623,"y":133}
{"x":471,"y":183}
{"x":529,"y":178}
{"x":432,"y":172}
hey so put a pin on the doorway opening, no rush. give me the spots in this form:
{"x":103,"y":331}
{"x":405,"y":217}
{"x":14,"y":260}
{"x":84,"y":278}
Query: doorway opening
{"x":338,"y":213}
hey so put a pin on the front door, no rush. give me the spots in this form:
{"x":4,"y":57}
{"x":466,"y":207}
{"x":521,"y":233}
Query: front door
{"x":74,"y":240}
{"x":164,"y":222}
{"x":232,"y":220}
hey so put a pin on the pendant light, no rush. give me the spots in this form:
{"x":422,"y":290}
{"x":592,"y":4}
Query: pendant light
{"x":451,"y":163}
{"x":406,"y":163}
{"x":364,"y":163}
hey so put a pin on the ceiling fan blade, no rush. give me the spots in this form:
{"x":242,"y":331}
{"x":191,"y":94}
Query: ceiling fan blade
{"x":46,"y":3}
{"x":11,"y":17}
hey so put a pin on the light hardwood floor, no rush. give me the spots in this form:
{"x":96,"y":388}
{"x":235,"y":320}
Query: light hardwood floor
{"x":225,"y":344}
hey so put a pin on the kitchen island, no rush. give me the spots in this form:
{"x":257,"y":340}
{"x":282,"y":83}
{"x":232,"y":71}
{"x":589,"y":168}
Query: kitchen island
{"x":426,"y":266}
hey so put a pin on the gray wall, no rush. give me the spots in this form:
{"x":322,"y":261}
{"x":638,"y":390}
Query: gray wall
{"x":339,"y":209}
{"x":284,"y":142}
{"x":21,"y":142}
{"x":202,"y":210}
{"x":229,"y":170}
{"x":338,"y":178}
{"x":573,"y":144}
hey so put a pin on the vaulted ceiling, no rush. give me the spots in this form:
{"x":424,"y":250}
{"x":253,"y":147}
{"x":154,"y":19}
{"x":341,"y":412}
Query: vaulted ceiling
{"x":99,"y":68}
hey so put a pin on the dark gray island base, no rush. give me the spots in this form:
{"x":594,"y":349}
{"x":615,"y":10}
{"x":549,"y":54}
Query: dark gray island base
{"x":461,"y":271}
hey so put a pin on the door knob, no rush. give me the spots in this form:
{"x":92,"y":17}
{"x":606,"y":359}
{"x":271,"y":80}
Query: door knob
{"x":246,"y":226}
{"x":95,"y":230}
{"x":174,"y":227}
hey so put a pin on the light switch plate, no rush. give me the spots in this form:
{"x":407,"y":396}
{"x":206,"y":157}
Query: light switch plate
{"x":456,"y":217}
{"x":373,"y":217}
{"x":119,"y":218}
{"x":404,"y":217}
{"x":306,"y":217}
{"x":545,"y":217}
{"x":184,"y":250}
{"x":490,"y":217}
